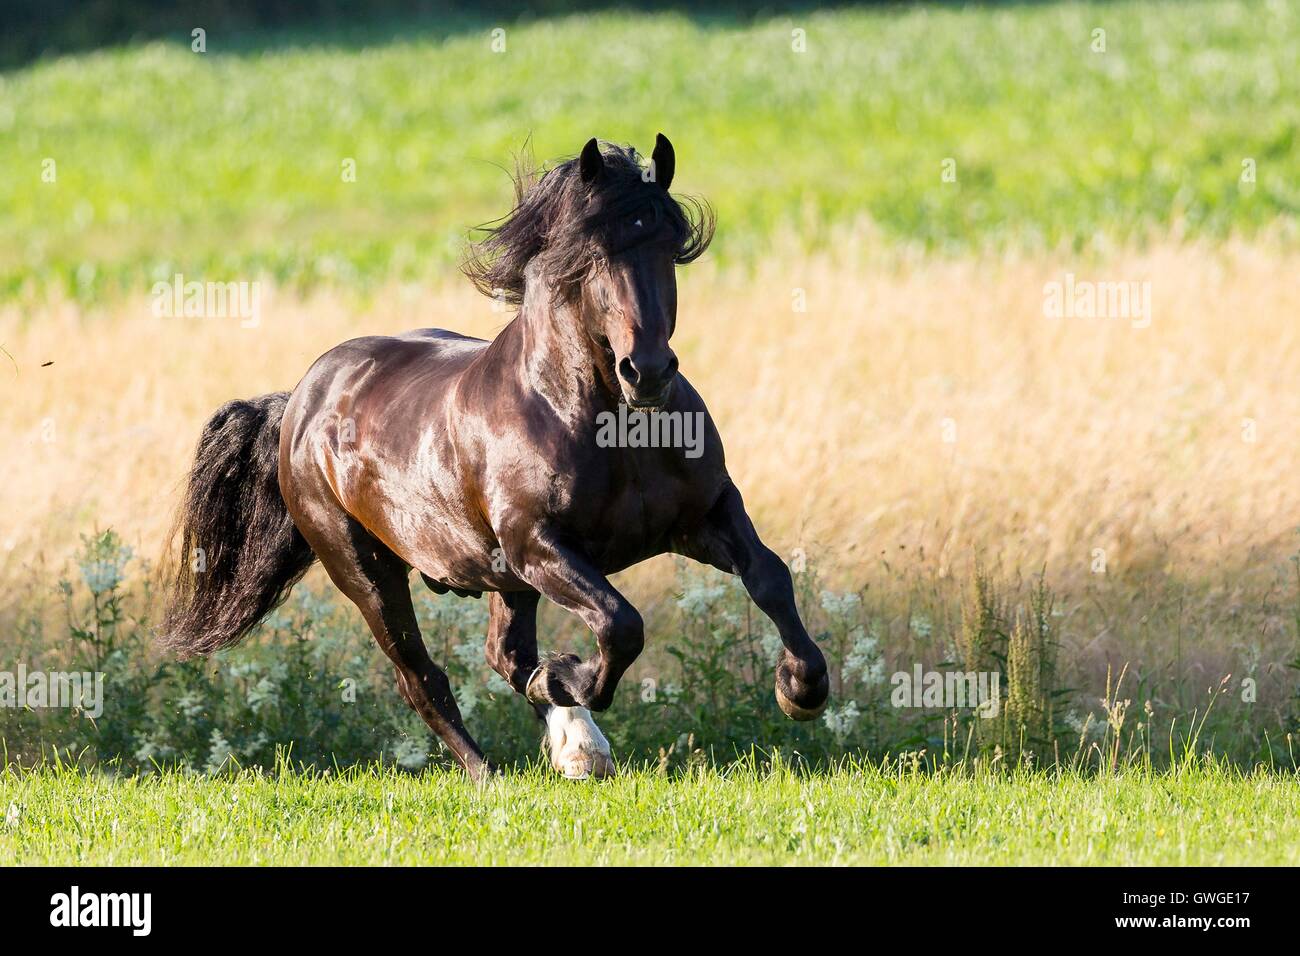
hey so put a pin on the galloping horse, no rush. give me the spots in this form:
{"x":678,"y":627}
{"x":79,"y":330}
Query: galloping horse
{"x":479,"y":464}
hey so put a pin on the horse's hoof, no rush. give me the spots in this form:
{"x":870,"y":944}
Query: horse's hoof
{"x":585,"y":765}
{"x":484,"y":774}
{"x":806,"y":710}
{"x":579,"y":751}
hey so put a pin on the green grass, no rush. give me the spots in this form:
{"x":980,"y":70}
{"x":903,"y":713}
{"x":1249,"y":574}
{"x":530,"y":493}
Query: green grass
{"x":229,"y":163}
{"x":1206,"y":815}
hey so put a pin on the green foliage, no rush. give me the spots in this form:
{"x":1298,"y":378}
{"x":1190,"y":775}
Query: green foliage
{"x":228,"y":164}
{"x":310,"y":685}
{"x":1019,"y":644}
{"x":1030,"y":713}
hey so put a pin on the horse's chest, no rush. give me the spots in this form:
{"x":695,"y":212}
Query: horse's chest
{"x":631,"y":511}
{"x":643,"y":505}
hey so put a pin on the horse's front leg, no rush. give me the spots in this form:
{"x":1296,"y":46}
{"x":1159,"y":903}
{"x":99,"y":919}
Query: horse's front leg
{"x":576,"y":746}
{"x":572,"y":581}
{"x":728,"y":541}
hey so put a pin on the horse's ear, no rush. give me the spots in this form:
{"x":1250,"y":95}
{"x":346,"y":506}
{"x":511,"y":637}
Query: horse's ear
{"x":665,"y":161}
{"x":591,"y":162}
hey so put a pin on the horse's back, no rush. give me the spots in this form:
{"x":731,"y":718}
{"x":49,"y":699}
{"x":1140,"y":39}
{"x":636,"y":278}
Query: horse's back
{"x":374,"y":373}
{"x":429,"y":356}
{"x":369,"y":427}
{"x":433,"y":345}
{"x":439,"y":335}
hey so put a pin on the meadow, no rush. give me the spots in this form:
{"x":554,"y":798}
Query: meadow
{"x":231,"y":162}
{"x":905,"y":418}
{"x":745,"y":815}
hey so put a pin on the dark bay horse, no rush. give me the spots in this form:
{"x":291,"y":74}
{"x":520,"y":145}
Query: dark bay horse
{"x":481,"y":465}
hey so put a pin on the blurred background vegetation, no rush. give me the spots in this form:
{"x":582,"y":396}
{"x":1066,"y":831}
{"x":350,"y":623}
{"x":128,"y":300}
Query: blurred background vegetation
{"x":310,"y":685}
{"x":230,"y":162}
{"x":35,"y":29}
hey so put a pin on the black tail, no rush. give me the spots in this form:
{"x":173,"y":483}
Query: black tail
{"x":240,"y":551}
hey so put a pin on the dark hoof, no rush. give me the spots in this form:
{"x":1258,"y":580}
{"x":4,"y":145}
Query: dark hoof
{"x":800,"y":702}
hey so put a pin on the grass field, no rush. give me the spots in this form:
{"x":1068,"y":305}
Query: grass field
{"x":859,"y":815}
{"x":231,"y":161}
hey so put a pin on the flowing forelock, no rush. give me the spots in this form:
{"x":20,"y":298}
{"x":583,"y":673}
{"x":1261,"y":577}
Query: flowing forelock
{"x":565,"y":221}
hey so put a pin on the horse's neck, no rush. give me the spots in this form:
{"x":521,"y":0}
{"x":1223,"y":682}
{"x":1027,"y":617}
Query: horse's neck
{"x":558,"y":359}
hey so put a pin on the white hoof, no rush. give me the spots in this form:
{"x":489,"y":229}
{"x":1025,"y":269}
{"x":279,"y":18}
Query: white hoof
{"x":578,"y":749}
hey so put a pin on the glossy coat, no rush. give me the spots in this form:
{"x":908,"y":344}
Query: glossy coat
{"x":478,"y":463}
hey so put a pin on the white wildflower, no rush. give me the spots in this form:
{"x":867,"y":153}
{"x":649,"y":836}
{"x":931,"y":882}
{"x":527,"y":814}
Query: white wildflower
{"x":697,"y":599}
{"x":863,"y":660}
{"x":265,"y":691}
{"x":841,"y":722}
{"x":219,"y":753}
{"x":841,"y":605}
{"x":410,"y":753}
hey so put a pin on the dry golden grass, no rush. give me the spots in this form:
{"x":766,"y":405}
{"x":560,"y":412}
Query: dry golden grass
{"x":1070,"y":434}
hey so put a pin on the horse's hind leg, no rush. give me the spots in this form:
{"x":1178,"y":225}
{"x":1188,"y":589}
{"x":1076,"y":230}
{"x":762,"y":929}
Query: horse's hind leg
{"x":512,"y":636}
{"x":375,"y":579}
{"x":576,"y":746}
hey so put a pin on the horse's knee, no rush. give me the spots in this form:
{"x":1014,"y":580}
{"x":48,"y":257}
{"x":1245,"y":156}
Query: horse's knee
{"x":624,"y":636}
{"x":621,"y":640}
{"x":432,"y":685}
{"x":437,"y":685}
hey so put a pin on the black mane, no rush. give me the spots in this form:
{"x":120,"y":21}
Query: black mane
{"x":565,"y":220}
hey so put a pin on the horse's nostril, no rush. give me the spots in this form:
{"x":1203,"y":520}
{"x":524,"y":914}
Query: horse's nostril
{"x":650,"y":376}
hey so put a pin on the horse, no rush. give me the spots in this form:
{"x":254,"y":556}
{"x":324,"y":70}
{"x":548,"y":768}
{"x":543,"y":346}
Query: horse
{"x":480,"y":465}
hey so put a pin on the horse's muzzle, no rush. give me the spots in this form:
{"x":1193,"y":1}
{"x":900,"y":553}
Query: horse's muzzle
{"x":648,"y":380}
{"x":650,"y":403}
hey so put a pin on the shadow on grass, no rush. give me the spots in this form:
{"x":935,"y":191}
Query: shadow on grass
{"x":39,"y":29}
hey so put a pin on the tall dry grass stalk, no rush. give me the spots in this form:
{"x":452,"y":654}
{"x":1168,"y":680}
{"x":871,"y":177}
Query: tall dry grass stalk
{"x":914,"y":413}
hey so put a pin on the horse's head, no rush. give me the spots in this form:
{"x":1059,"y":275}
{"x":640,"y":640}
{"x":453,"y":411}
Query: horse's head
{"x":629,"y":299}
{"x":605,"y":236}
